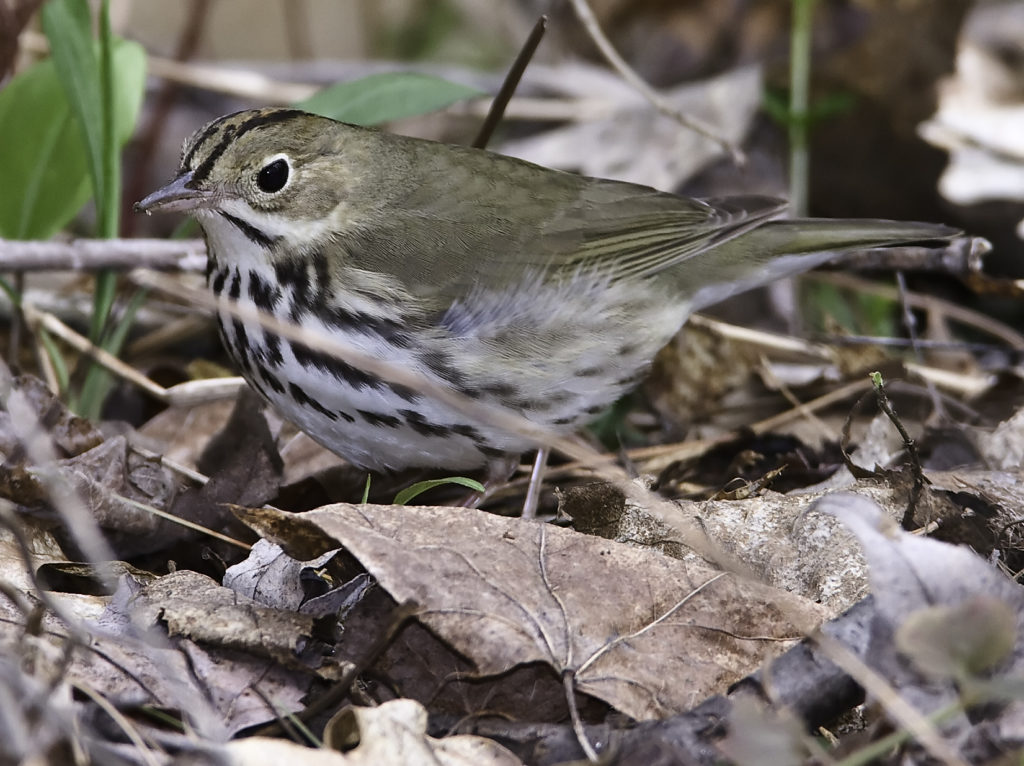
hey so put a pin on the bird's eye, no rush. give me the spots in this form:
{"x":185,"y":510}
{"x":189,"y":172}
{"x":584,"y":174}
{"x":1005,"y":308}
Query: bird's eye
{"x":273,"y":176}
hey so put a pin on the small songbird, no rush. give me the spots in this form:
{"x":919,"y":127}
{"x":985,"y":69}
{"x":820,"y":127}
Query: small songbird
{"x":528,"y":289}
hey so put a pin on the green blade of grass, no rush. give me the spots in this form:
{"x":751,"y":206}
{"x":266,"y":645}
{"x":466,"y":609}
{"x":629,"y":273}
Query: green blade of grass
{"x":409,"y":493}
{"x":98,"y":380}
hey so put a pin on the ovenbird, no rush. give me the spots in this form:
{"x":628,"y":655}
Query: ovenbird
{"x":526,"y":288}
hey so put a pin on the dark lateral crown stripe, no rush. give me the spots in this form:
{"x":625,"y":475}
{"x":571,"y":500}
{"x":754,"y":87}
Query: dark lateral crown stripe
{"x":231,"y":133}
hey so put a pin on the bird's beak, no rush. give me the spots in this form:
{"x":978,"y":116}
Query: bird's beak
{"x":175,"y":196}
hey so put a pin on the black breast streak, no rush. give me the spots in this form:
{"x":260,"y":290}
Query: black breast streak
{"x":235,"y":288}
{"x":342,"y":371}
{"x":262,"y":293}
{"x":420,"y":424}
{"x":217,"y":284}
{"x":379,"y":419}
{"x":305,"y":400}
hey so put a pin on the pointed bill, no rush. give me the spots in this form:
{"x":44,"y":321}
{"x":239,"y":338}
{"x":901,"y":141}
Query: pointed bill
{"x":176,"y":196}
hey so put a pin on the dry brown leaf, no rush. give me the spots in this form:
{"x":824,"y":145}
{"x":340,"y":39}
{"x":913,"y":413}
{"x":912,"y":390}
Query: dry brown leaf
{"x":70,"y":433}
{"x":181,"y":433}
{"x":395,"y":732}
{"x":911,"y":573}
{"x":635,"y":142}
{"x":772,"y":534}
{"x":194,"y":606}
{"x":392,"y":733}
{"x":649,"y":634}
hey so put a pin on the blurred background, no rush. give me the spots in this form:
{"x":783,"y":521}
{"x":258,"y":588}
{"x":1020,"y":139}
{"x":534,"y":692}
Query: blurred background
{"x":879,"y":70}
{"x":914,"y":105}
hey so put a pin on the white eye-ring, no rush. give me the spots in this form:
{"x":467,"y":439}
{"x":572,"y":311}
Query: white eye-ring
{"x":274,"y":174}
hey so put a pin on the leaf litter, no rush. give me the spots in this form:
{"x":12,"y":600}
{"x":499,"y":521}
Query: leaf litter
{"x":619,"y":607}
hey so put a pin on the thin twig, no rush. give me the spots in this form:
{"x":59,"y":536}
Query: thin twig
{"x":186,"y":394}
{"x":54,"y":326}
{"x":141,"y":749}
{"x":162,"y":514}
{"x":568,"y":681}
{"x":95,"y":254}
{"x":511,"y":82}
{"x":17,"y":322}
{"x":233,"y":82}
{"x":590,"y":24}
{"x":773,"y":380}
{"x":911,"y":446}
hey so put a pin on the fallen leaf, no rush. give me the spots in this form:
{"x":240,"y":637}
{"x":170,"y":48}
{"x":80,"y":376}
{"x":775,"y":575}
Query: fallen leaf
{"x":909,"y":573}
{"x":649,"y":634}
{"x":194,"y":606}
{"x":391,"y":733}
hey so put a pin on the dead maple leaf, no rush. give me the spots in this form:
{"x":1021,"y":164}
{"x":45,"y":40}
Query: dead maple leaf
{"x":649,"y":634}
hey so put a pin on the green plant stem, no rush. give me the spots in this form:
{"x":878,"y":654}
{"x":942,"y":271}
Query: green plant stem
{"x":98,"y":379}
{"x":108,"y":197}
{"x":799,"y":97}
{"x":60,"y":368}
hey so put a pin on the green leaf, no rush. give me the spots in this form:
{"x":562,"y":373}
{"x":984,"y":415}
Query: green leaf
{"x":68,"y":27}
{"x":407,"y":494}
{"x":46,"y":178}
{"x":385,"y":97}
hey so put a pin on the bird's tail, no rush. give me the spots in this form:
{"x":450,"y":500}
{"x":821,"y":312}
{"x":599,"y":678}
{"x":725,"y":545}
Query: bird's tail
{"x":783,"y":248}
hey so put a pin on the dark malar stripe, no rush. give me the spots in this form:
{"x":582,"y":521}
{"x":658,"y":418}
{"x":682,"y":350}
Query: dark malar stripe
{"x":231,"y":133}
{"x":251,"y":233}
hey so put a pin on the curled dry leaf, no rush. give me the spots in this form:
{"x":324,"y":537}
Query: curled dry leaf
{"x":194,"y":606}
{"x":909,"y":574}
{"x":71,"y":434}
{"x":395,"y":732}
{"x":649,"y":634}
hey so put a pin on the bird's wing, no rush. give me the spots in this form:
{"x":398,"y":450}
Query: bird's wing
{"x":466,"y":217}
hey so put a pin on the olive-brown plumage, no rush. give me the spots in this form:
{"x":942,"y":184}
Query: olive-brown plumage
{"x":531,"y":289}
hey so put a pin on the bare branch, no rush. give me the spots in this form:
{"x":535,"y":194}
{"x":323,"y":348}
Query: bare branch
{"x":94,"y":254}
